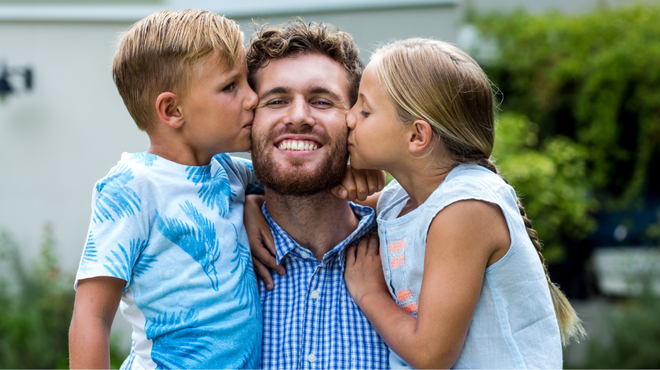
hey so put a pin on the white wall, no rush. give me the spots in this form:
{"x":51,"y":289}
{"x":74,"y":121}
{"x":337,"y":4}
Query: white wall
{"x":59,"y":139}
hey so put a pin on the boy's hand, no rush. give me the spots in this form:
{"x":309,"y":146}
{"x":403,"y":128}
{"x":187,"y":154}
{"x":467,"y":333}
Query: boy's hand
{"x":261,"y":240}
{"x":359,"y":184}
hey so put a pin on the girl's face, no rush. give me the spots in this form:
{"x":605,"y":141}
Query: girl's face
{"x":377,"y":138}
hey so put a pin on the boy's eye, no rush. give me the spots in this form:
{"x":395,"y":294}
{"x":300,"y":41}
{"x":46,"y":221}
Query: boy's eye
{"x":229,"y":87}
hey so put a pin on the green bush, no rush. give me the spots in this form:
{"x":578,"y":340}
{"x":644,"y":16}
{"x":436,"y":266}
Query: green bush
{"x":551,"y":181}
{"x":37,"y":304}
{"x":593,"y":78}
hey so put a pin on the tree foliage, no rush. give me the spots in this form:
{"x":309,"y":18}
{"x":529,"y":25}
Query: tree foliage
{"x":551,"y":181}
{"x":593,"y":78}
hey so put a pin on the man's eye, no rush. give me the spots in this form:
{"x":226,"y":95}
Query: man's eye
{"x":322,"y":103}
{"x":276,"y":102}
{"x":229,"y":87}
{"x":364,"y":114}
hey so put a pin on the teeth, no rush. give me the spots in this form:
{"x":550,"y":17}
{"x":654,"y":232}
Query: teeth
{"x":297,"y":145}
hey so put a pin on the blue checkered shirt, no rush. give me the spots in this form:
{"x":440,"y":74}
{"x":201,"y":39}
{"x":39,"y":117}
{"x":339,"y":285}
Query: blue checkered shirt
{"x":310,"y":321}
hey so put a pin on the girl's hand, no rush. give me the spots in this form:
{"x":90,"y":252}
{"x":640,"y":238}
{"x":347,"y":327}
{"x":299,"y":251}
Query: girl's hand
{"x":261,"y":240}
{"x":359,"y":184}
{"x":363,"y":272}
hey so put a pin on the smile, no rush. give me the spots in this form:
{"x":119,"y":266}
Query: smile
{"x":297,"y":145}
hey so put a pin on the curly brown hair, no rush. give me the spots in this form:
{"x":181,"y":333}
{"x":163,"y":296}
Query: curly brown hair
{"x":297,"y":37}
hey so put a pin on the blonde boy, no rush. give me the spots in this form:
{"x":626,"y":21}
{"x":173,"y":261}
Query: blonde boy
{"x":166,"y":240}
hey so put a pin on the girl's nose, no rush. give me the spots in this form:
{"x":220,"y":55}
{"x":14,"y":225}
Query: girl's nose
{"x":351,"y":120}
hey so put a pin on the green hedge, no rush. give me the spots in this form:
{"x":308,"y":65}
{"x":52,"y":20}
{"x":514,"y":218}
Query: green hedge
{"x":550,"y":179}
{"x":37,"y":304}
{"x":592,"y":77}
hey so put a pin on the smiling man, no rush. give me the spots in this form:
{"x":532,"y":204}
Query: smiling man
{"x":307,"y":78}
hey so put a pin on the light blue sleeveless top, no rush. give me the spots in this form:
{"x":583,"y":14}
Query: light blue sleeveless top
{"x":514,"y":324}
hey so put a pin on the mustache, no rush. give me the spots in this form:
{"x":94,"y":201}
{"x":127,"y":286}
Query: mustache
{"x":306,"y":130}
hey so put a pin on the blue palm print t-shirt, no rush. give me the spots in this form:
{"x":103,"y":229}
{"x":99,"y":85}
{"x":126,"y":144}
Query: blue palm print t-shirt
{"x":175,"y":234}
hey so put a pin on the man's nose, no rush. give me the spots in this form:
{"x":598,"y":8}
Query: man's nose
{"x":300,"y":113}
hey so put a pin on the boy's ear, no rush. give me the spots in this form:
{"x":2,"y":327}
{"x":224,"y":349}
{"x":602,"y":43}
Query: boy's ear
{"x":169,"y":111}
{"x":420,"y":136}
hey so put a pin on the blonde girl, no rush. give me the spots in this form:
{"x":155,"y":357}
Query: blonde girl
{"x":457,"y":251}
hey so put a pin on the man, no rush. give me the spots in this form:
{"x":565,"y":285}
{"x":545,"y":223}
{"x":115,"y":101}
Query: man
{"x":307,"y":78}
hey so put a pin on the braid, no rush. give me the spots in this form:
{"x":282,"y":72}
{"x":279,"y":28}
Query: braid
{"x":570,"y":326}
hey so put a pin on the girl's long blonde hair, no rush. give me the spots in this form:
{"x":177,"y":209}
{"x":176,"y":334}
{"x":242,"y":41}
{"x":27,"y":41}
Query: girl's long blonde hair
{"x":442,"y":85}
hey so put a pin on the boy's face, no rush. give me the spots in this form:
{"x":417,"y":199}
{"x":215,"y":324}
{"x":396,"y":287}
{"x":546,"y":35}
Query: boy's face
{"x":218,"y":107}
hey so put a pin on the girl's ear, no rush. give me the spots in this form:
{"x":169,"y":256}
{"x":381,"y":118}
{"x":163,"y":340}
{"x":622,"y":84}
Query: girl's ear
{"x":420,"y":136}
{"x":169,"y":110}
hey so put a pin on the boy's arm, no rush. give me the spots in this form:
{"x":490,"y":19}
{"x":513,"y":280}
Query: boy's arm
{"x":245,"y":171}
{"x":94,"y":310}
{"x":261,"y":240}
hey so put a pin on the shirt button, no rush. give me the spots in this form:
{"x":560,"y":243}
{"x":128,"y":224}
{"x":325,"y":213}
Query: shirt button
{"x":387,"y":274}
{"x":311,"y":358}
{"x":381,"y":229}
{"x":304,"y":254}
{"x":315,"y":294}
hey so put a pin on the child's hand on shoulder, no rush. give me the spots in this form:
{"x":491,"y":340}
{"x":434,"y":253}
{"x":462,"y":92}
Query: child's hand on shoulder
{"x":261,"y":240}
{"x":363,"y":271}
{"x":359,"y":184}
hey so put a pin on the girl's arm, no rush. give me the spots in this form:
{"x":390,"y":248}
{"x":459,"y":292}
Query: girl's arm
{"x":93,"y":312}
{"x":463,"y":239}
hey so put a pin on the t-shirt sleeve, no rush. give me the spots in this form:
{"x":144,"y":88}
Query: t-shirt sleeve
{"x":117,"y":233}
{"x":245,"y":172}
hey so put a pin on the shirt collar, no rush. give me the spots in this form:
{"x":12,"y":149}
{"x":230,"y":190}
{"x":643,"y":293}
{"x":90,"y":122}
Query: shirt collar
{"x":284,"y":243}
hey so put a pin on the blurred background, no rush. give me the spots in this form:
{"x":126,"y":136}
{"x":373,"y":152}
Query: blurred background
{"x":578,"y":85}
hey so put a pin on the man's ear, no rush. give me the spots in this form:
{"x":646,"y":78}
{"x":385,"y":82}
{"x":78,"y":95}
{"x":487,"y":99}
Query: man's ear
{"x":420,"y":136}
{"x":169,"y":111}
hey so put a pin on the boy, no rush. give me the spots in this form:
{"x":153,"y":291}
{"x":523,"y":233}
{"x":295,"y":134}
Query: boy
{"x":166,"y":236}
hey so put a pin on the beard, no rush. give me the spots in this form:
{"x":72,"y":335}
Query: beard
{"x":296,"y":180}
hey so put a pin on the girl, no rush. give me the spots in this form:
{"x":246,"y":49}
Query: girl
{"x":459,"y":255}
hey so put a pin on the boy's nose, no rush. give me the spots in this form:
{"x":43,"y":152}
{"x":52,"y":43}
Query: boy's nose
{"x":250,"y":102}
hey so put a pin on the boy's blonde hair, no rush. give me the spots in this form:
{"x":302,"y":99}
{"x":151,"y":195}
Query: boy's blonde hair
{"x":437,"y":82}
{"x":160,"y":52}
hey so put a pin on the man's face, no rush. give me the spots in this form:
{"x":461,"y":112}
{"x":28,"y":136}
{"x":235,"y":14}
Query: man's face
{"x":299,"y":131}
